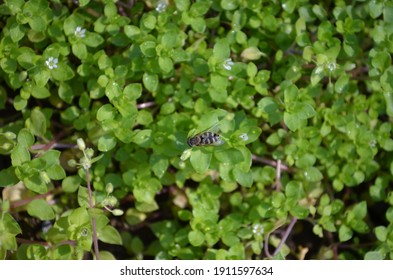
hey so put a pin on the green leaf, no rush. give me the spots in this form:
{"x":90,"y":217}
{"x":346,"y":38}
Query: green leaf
{"x":200,"y":160}
{"x":169,"y":40}
{"x":9,"y":224}
{"x":8,"y":65}
{"x":375,"y":9}
{"x":27,"y":58}
{"x":245,"y":135}
{"x":344,"y":233}
{"x":133,"y":91}
{"x":294,"y":190}
{"x":167,"y":108}
{"x":229,"y":5}
{"x":145,"y":191}
{"x":37,"y":23}
{"x":302,"y":110}
{"x":221,"y":50}
{"x":342,"y":84}
{"x":40,"y":91}
{"x":63,"y":72}
{"x":8,"y":177}
{"x":15,"y":6}
{"x":293,"y":122}
{"x":93,"y":39}
{"x":71,"y":23}
{"x":166,"y":64}
{"x":106,"y":113}
{"x":79,"y":217}
{"x":142,"y":137}
{"x":196,"y":238}
{"x":37,"y":123}
{"x":146,"y":207}
{"x":389,"y":103}
{"x":41,"y":209}
{"x":198,"y":24}
{"x":381,"y":61}
{"x":148,"y":48}
{"x":56,"y":172}
{"x":271,"y":108}
{"x":230,"y":156}
{"x":230,"y":239}
{"x":150,"y":81}
{"x":66,"y":93}
{"x":388,"y":13}
{"x":182,"y":5}
{"x":359,"y":211}
{"x":373,"y":255}
{"x":131,"y":31}
{"x":19,"y":103}
{"x":109,"y":234}
{"x":312,"y":174}
{"x":306,"y":160}
{"x":83,"y":197}
{"x":159,"y":165}
{"x":50,"y":158}
{"x":199,"y":9}
{"x":243,"y":178}
{"x":19,"y":155}
{"x":106,"y":143}
{"x":105,"y":255}
{"x":36,"y":184}
{"x":299,"y":211}
{"x":144,"y":117}
{"x":79,"y":50}
{"x":381,"y":233}
{"x":219,"y":82}
{"x":71,"y":113}
{"x":71,"y":183}
{"x":148,"y":21}
{"x":110,"y":10}
{"x":83,"y":3}
{"x":9,"y":229}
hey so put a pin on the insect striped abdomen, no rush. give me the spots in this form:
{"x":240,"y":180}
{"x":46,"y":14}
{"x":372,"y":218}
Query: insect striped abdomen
{"x":205,"y":138}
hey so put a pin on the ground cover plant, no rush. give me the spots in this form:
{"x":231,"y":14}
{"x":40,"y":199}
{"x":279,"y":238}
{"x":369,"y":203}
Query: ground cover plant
{"x":98,"y":100}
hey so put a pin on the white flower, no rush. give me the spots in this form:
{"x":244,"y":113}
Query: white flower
{"x":332,"y":66}
{"x":258,"y":229}
{"x":52,"y":62}
{"x":244,"y":137}
{"x":80,"y":32}
{"x":228,"y":64}
{"x":161,"y":6}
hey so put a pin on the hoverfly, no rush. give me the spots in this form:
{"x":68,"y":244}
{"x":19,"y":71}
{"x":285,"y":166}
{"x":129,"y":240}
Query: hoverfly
{"x":204,"y":139}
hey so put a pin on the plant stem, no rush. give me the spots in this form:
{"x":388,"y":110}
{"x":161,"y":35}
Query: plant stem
{"x":283,"y":239}
{"x":93,"y":219}
{"x":271,"y":163}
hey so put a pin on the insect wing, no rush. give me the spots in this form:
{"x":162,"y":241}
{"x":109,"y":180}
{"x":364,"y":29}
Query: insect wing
{"x":219,"y":142}
{"x":208,"y":137}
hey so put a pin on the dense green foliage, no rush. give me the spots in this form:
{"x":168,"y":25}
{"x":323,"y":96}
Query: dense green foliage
{"x":103,"y":95}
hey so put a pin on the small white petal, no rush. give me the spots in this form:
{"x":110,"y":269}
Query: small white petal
{"x":244,"y":137}
{"x":161,"y":6}
{"x":332,"y":66}
{"x":80,"y":32}
{"x":228,"y":64}
{"x":51,"y":62}
{"x":258,"y":229}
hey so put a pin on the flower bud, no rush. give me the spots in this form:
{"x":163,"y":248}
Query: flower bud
{"x":109,"y":188}
{"x":117,"y":212}
{"x":251,"y":53}
{"x":81,"y":144}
